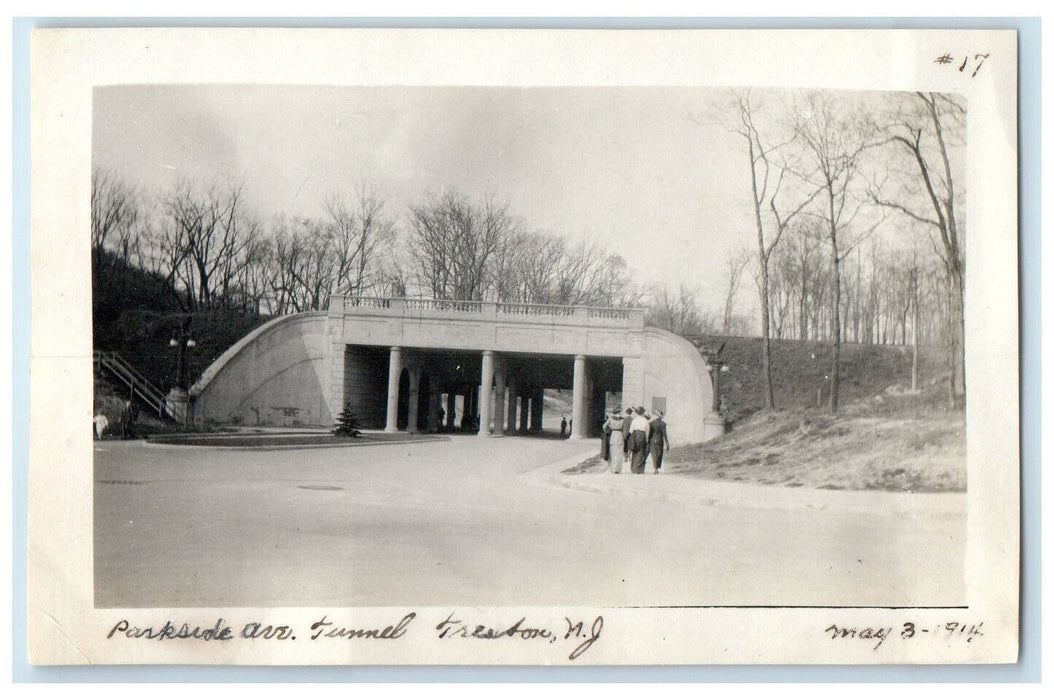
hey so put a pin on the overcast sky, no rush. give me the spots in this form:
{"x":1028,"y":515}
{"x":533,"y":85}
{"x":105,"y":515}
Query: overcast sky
{"x":627,"y":166}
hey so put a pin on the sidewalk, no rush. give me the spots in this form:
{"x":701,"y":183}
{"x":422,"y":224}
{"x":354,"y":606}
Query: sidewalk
{"x":734,"y":494}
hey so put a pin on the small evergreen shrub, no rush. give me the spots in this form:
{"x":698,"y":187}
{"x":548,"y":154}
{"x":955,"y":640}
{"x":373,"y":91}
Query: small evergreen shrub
{"x":346,"y":424}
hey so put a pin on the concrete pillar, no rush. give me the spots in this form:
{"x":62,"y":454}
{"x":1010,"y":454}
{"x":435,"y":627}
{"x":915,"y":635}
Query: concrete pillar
{"x":486,"y":393}
{"x":524,"y":405}
{"x":537,"y":402}
{"x":451,"y":408}
{"x":578,"y":400}
{"x":499,"y":403}
{"x":411,"y":414}
{"x":395,"y":368}
{"x":512,"y":406}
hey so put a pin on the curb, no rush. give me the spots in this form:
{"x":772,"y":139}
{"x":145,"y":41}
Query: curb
{"x":291,"y":446}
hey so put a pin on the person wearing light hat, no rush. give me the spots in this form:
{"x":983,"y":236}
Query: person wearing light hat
{"x":639,"y":430}
{"x":616,"y":453}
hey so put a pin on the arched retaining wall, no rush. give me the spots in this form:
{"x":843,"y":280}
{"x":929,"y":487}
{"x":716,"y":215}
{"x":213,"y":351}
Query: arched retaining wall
{"x":671,"y":368}
{"x":273,"y":376}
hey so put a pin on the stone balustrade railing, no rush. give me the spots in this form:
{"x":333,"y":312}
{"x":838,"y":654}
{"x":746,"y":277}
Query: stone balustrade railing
{"x":587,"y":315}
{"x":515,"y":309}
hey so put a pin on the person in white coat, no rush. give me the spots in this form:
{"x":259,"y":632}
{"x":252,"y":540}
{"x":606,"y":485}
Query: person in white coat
{"x":616,"y":452}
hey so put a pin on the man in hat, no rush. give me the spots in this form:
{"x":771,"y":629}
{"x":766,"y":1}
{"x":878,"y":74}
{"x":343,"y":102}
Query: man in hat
{"x":626,"y":422}
{"x":659,"y":440}
{"x":639,"y":430}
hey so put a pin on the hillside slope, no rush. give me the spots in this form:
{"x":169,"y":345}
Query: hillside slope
{"x":893,"y":441}
{"x":800,"y":370}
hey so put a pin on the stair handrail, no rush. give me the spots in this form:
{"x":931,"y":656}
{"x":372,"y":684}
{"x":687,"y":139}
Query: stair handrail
{"x":130,"y":376}
{"x":135,"y":380}
{"x":136,"y":374}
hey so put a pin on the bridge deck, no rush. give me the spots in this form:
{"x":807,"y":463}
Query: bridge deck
{"x":484,"y":325}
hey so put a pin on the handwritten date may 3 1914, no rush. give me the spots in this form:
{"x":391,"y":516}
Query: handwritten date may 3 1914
{"x":944,"y":631}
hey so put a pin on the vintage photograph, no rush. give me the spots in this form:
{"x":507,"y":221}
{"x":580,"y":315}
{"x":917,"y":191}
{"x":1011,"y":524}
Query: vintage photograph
{"x":492,"y":362}
{"x":631,"y":346}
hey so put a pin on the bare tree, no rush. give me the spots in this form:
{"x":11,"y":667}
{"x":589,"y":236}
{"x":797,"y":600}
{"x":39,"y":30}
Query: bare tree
{"x":115,"y":209}
{"x":534,"y":271}
{"x":588,"y":274}
{"x":734,"y":266}
{"x":252,"y":280}
{"x":926,"y":133}
{"x":204,"y":239}
{"x":767,"y":178}
{"x":360,"y":238}
{"x":833,"y":140}
{"x":915,"y":332}
{"x":677,"y":312}
{"x":454,"y":242}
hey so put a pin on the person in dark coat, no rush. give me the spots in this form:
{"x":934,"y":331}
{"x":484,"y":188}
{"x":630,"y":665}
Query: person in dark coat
{"x":659,"y":440}
{"x":129,"y":414}
{"x":605,"y":439}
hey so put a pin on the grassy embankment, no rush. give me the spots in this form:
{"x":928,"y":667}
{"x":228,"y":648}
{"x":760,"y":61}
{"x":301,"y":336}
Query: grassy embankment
{"x":883,"y":437}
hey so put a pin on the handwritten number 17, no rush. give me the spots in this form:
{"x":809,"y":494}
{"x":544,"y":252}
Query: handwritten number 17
{"x":947,"y":58}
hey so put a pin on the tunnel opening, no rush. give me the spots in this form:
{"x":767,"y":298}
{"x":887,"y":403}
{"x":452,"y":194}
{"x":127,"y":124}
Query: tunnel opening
{"x":441,"y":391}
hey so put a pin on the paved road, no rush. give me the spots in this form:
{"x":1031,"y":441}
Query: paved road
{"x":470,"y":521}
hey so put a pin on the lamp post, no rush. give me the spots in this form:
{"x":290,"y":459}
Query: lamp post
{"x":714,"y":423}
{"x":178,"y":400}
{"x":716,"y":368}
{"x":183,"y":345}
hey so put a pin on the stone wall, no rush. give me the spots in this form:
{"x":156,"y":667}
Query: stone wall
{"x":672,"y":370}
{"x":274,"y":376}
{"x":365,"y":387}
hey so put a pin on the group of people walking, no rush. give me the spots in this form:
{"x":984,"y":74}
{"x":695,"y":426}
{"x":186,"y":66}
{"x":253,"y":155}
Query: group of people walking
{"x":633,"y":437}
